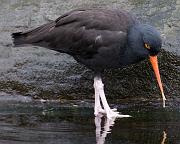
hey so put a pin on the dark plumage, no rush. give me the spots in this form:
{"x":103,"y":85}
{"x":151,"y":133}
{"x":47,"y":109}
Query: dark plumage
{"x":97,"y":38}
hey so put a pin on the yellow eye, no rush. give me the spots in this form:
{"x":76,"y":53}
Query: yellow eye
{"x":147,"y":46}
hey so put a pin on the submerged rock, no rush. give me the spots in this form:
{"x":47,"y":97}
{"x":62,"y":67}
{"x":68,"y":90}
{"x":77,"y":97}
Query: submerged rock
{"x":42,"y":73}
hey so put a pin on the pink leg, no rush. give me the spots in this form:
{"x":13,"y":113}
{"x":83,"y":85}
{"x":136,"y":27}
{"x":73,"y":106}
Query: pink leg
{"x":100,"y":95}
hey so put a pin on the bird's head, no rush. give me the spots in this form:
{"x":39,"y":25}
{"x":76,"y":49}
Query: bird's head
{"x":145,"y":41}
{"x":151,"y":39}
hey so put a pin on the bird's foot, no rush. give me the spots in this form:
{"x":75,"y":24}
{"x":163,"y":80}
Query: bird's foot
{"x":100,"y":110}
{"x":111,"y":113}
{"x":100,"y":96}
{"x":115,"y":114}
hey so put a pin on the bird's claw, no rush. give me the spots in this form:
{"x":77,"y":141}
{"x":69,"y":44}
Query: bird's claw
{"x":112,"y":113}
{"x":115,"y":114}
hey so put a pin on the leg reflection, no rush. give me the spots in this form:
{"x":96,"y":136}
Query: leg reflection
{"x":102,"y":131}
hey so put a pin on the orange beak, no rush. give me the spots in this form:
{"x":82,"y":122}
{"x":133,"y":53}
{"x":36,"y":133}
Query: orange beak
{"x":154,"y":62}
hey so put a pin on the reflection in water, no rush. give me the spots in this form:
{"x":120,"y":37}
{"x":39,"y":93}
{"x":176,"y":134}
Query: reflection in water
{"x":52,"y":123}
{"x":101,"y":132}
{"x":164,"y":137}
{"x":103,"y":127}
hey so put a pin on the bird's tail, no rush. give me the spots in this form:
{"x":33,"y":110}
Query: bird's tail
{"x":19,"y":39}
{"x":32,"y":37}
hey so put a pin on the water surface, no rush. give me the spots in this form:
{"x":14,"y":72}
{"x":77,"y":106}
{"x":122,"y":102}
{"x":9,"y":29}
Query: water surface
{"x":35,"y":122}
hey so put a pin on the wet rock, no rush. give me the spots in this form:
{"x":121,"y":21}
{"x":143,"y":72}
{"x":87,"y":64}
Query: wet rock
{"x":46,"y":74}
{"x":138,"y":81}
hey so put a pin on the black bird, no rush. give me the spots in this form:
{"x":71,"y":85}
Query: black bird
{"x":100,"y":39}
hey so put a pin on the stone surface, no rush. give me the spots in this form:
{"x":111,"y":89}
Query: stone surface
{"x":41,"y":73}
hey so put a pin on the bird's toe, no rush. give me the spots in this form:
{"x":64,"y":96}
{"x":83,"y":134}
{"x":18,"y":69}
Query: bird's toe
{"x":115,"y":114}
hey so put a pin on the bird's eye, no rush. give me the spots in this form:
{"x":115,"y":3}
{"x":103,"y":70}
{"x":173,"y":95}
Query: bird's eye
{"x":147,"y":46}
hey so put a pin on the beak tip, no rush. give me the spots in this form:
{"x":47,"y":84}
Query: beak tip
{"x":163,"y":96}
{"x":164,"y":100}
{"x":164,"y":104}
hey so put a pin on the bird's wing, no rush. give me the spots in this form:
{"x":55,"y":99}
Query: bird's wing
{"x":83,"y":31}
{"x":99,"y":19}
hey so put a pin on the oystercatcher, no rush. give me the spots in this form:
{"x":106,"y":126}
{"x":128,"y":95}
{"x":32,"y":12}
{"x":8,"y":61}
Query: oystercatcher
{"x":100,"y":39}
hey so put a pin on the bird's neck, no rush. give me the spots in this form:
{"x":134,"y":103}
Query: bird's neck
{"x":128,"y":57}
{"x":134,"y":51}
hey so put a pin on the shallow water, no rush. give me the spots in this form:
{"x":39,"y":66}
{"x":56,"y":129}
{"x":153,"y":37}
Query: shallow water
{"x":35,"y":122}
